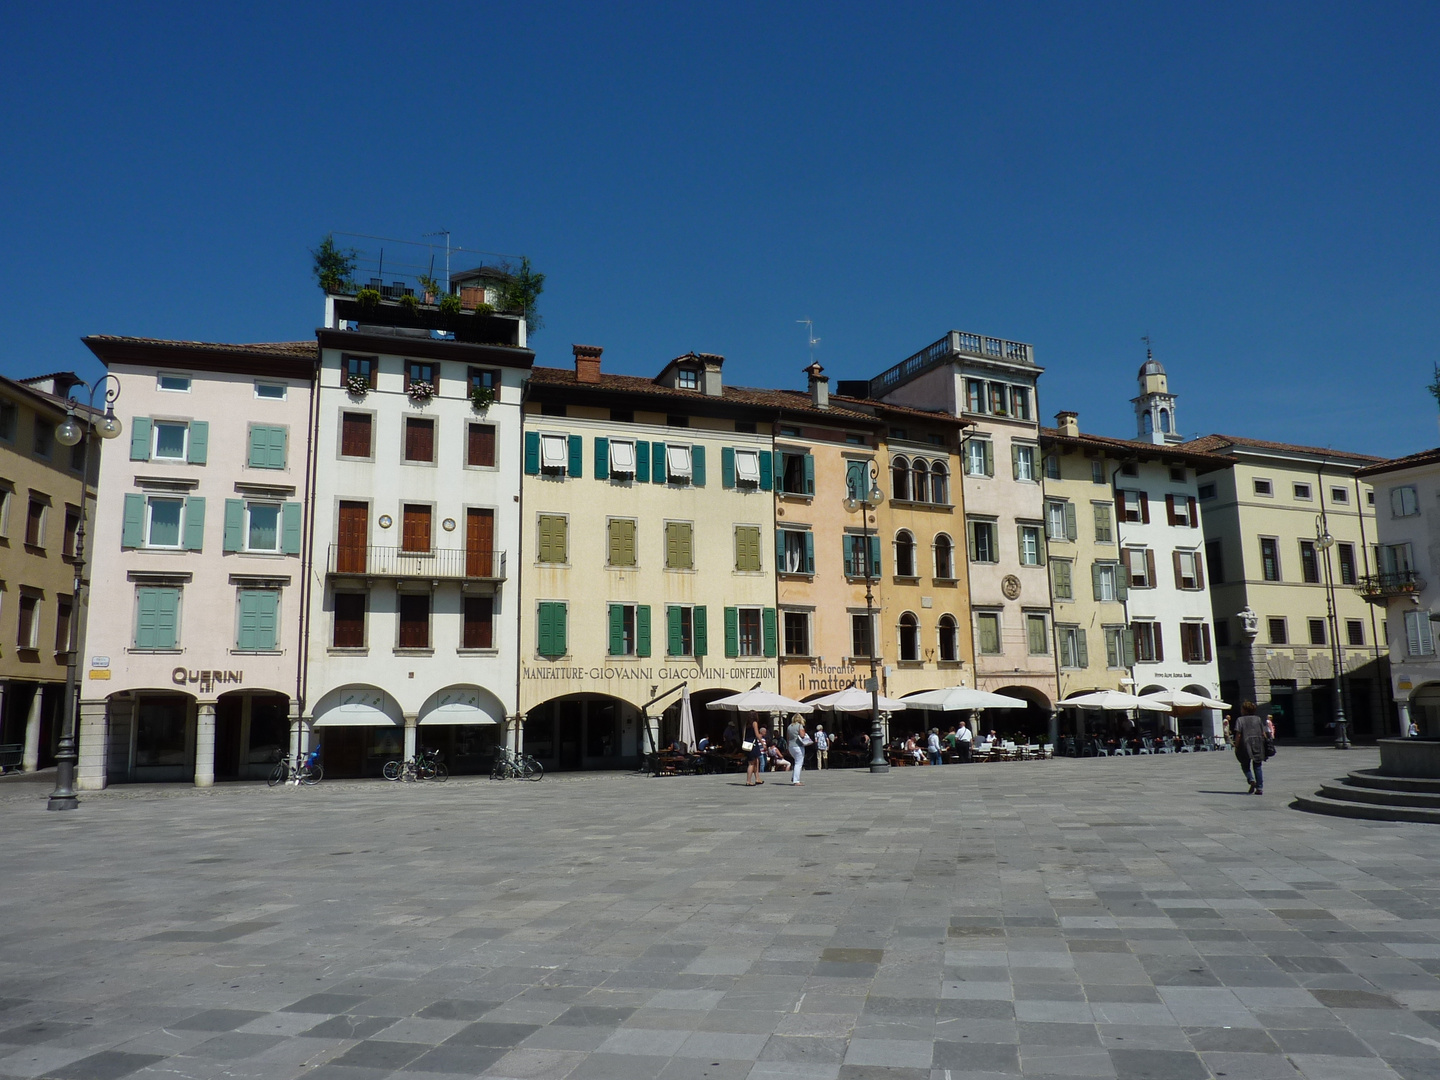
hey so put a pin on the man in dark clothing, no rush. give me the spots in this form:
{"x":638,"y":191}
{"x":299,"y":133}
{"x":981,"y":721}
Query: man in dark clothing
{"x":1250,"y":747}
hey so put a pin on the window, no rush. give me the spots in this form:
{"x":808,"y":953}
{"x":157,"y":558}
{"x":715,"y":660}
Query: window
{"x":1222,"y":632}
{"x":795,"y":549}
{"x":1117,"y":655}
{"x":356,"y":433}
{"x":622,"y":630}
{"x":905,"y":554}
{"x":1195,"y":643}
{"x":44,"y":432}
{"x":856,"y":563}
{"x":797,"y":633}
{"x":1129,"y":468}
{"x":9,"y":419}
{"x":162,"y":524}
{"x":179,"y":384}
{"x":1181,"y":510}
{"x":63,"y":609}
{"x":747,"y":548}
{"x":987,"y":632}
{"x":1206,"y":491}
{"x":974,"y":395}
{"x":360,"y":368}
{"x":420,"y":439}
{"x":414,"y":621}
{"x":1215,"y":560}
{"x":622,"y":457}
{"x":1177,"y":474}
{"x":1187,"y":571}
{"x":257,"y":620}
{"x":550,"y":629}
{"x":171,"y":440}
{"x":1419,"y":637}
{"x":417,"y":372}
{"x":677,"y":463}
{"x":909,"y":637}
{"x":28,"y":631}
{"x":797,"y":473}
{"x":1355,"y":631}
{"x":857,"y":479}
{"x":1395,"y":559}
{"x":747,"y":469}
{"x":1317,"y":631}
{"x":1073,"y":653}
{"x":1403,"y":501}
{"x":1269,"y":558}
{"x":620,"y":546}
{"x":1133,"y":506}
{"x":1279,"y":634}
{"x":157,"y":617}
{"x":267,"y":447}
{"x":1023,"y":460}
{"x":1037,"y":635}
{"x":1149,"y":643}
{"x":862,"y":639}
{"x":1309,"y":562}
{"x":1060,"y":520}
{"x":270,"y":391}
{"x":921,"y":488}
{"x":1020,"y":402}
{"x":1052,"y":466}
{"x":478,"y":630}
{"x":480,"y":446}
{"x":1140,"y":567}
{"x":944,"y":558}
{"x":984,"y":545}
{"x":554,"y":453}
{"x":72,"y":530}
{"x":749,"y":633}
{"x":940,"y":484}
{"x":1097,"y":472}
{"x":948,"y":639}
{"x":685,"y":630}
{"x":554,"y":545}
{"x":482,"y":379}
{"x":997,"y":398}
{"x":1062,"y":582}
{"x":7,"y":497}
{"x":349,"y":629}
{"x":262,"y":527}
{"x":1301,"y":491}
{"x":1346,"y":553}
{"x":679,"y":546}
{"x":1108,"y":582}
{"x":979,"y":457}
{"x":1339,"y":495}
{"x":1263,"y":488}
{"x":1104,"y":532}
{"x":415,"y":528}
{"x":1032,"y":546}
{"x":687,"y":379}
{"x":35,"y":524}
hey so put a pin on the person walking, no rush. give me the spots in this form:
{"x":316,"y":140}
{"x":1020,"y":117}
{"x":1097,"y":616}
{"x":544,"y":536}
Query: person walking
{"x":932,"y":746}
{"x":1250,"y":747}
{"x":754,"y":754}
{"x":822,"y":746}
{"x":796,"y":739}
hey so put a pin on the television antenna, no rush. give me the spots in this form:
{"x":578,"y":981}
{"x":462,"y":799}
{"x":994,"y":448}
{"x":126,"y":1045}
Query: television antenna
{"x":445,"y":233}
{"x":810,"y":335}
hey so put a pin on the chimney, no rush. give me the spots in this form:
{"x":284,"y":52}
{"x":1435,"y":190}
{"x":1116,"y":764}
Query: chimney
{"x":711,"y":382}
{"x":587,"y":363}
{"x":1069,"y":424}
{"x":819,"y":386}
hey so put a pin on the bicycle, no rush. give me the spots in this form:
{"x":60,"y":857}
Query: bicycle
{"x":308,"y":771}
{"x":425,"y":766}
{"x":511,"y":766}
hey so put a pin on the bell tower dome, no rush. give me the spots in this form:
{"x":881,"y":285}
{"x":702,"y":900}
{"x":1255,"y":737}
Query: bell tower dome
{"x":1155,"y":407}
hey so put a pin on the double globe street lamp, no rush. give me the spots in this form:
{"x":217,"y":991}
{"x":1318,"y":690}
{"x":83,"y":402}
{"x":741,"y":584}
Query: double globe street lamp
{"x":865,"y":501}
{"x":72,"y":432}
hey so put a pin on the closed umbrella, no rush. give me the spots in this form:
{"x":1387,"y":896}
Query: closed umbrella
{"x":854,"y":699}
{"x":1114,"y":699}
{"x":962,"y":697}
{"x":1183,"y":699}
{"x":687,"y":721}
{"x":762,"y":701}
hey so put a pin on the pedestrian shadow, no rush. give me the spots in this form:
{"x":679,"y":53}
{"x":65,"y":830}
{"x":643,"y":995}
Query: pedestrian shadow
{"x":1207,"y":791}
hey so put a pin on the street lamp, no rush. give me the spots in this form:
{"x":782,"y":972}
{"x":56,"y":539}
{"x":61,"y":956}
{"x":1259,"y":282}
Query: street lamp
{"x":865,"y":502}
{"x":1324,"y":542}
{"x":73,"y":431}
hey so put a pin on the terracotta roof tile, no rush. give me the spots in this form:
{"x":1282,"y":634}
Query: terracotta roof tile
{"x":1410,"y":461}
{"x":1177,"y":451}
{"x":305,"y":349}
{"x":1209,"y":443}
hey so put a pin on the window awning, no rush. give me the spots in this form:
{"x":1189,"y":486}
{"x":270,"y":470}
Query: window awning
{"x":622,"y":456}
{"x":747,"y":466}
{"x":554,"y":453}
{"x":677,"y":460}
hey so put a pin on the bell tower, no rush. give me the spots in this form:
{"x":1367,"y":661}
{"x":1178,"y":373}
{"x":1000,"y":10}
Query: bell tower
{"x":1155,"y":407}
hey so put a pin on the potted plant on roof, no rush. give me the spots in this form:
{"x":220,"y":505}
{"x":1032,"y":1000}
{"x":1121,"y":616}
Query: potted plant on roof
{"x":368,"y":299}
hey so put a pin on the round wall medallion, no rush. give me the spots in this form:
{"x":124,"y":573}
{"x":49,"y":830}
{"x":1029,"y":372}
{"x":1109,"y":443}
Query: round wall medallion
{"x":386,"y":521}
{"x":448,"y":524}
{"x":1010,"y":586}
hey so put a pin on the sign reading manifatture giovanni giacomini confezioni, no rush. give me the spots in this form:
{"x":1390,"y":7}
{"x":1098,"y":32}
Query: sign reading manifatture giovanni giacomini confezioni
{"x":646,"y":673}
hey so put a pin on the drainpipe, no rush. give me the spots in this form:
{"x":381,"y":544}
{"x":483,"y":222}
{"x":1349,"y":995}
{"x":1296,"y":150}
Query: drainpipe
{"x":307,"y":557}
{"x":519,"y":718}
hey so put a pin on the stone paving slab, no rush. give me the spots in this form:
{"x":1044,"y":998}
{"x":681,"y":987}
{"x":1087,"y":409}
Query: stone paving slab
{"x":1124,"y":919}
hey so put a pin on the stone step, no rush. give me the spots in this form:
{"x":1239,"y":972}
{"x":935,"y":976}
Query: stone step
{"x":1373,"y":778}
{"x":1319,"y":804}
{"x":1347,"y":792}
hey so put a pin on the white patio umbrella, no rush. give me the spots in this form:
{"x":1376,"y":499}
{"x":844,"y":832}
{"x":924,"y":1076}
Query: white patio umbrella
{"x":1114,"y":699}
{"x":855,"y":699}
{"x":765,"y":701}
{"x":687,"y":720}
{"x":1183,"y":699}
{"x":962,"y":697}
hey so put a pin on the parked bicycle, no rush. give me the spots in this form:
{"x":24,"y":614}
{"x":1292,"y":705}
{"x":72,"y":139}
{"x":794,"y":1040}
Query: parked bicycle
{"x":308,"y":771}
{"x":512,"y":766}
{"x":424,"y":766}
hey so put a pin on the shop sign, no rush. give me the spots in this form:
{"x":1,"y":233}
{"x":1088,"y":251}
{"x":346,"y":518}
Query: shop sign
{"x":822,"y":676}
{"x":647,"y":673}
{"x":205,"y":679}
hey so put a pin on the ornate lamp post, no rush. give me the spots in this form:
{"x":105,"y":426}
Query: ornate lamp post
{"x":865,"y":502}
{"x":1324,"y":542}
{"x":72,"y":431}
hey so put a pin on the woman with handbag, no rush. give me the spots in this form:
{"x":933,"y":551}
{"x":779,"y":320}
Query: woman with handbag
{"x":1250,"y":747}
{"x":753,"y":746}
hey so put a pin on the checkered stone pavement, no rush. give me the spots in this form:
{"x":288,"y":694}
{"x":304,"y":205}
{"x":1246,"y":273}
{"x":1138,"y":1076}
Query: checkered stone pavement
{"x":1134,"y":919}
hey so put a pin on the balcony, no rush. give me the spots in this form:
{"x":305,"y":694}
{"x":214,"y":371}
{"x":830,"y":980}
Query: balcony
{"x":437,"y":564}
{"x":957,"y":343}
{"x":1375,"y":587}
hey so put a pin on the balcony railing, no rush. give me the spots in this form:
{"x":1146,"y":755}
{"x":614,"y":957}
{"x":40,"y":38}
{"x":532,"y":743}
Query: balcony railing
{"x":1394,"y":583}
{"x":955,"y":343}
{"x":454,"y":564}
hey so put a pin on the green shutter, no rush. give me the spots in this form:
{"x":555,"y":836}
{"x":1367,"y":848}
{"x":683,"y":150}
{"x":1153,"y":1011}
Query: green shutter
{"x":561,"y":645}
{"x":1036,"y":633}
{"x":970,"y":535}
{"x":874,"y":556}
{"x":576,"y":466}
{"x":199,"y":447}
{"x":140,"y":439}
{"x":290,"y":515}
{"x":657,"y":462}
{"x":259,"y":446}
{"x":727,"y":466}
{"x":642,"y":629}
{"x":770,"y":637}
{"x":697,"y":466}
{"x":259,"y":609}
{"x":809,"y":552}
{"x":617,"y":629}
{"x":747,"y":548}
{"x":279,"y":438}
{"x":673,"y":642}
{"x":157,"y":619}
{"x":1070,"y":531}
{"x":732,"y":631}
{"x":642,"y":461}
{"x":234,"y":525}
{"x":809,"y":474}
{"x":1127,"y":643}
{"x":544,"y":631}
{"x":767,"y":470}
{"x":602,"y":458}
{"x":1122,"y":582}
{"x":1095,"y":579}
{"x":194,"y":523}
{"x":989,"y":457}
{"x":700,"y":629}
{"x":1084,"y":650}
{"x":132,"y":532}
{"x":1015,"y":461}
{"x":551,"y":627}
{"x":1042,"y":547}
{"x":532,"y":453}
{"x":779,"y":550}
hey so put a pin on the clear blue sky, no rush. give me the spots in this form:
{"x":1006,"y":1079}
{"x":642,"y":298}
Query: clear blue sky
{"x":1253,"y":185}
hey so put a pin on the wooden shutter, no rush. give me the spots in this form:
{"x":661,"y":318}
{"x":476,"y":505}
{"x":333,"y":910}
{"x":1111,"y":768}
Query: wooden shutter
{"x":1120,"y":506}
{"x":194,"y":539}
{"x":575,"y":467}
{"x":258,"y":611}
{"x":1171,"y":518}
{"x":809,"y":552}
{"x":1127,"y":647}
{"x":1095,"y":579}
{"x":1179,"y":578}
{"x":532,"y":453}
{"x":415,"y":530}
{"x":699,"y":630}
{"x":727,"y":466}
{"x":481,"y":448}
{"x":732,"y":631}
{"x":1194,"y":509}
{"x":140,"y":439}
{"x":1159,"y":643}
{"x":989,"y":457}
{"x":1082,"y":649}
{"x":767,"y":470}
{"x":672,"y":545}
{"x":355,"y":432}
{"x":874,"y":567}
{"x":1149,"y":568}
{"x":1122,"y":582}
{"x":1014,"y":461}
{"x":1144,"y":508}
{"x":132,"y":531}
{"x":235,"y":524}
{"x":349,"y":632}
{"x":414,"y":620}
{"x":642,"y":629}
{"x":354,"y":537}
{"x":809,"y":474}
{"x":479,"y":542}
{"x":259,"y":446}
{"x":673,"y":637}
{"x":769,"y":634}
{"x":617,"y":629}
{"x":642,"y":461}
{"x":658,"y":472}
{"x":479,"y":629}
{"x":1205,"y":641}
{"x":1071,"y":532}
{"x":697,"y":466}
{"x":419,"y":439}
{"x":602,"y":458}
{"x":1199,"y":570}
{"x":291,"y":516}
{"x":198,"y":448}
{"x":687,"y":550}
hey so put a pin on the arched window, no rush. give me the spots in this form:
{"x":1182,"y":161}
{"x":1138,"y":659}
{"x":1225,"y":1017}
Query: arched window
{"x":1149,"y":424}
{"x":900,"y":479}
{"x":940,"y":484}
{"x":904,"y":554}
{"x":909,"y":637}
{"x":1165,"y":421}
{"x":922,"y":481}
{"x":944,"y":557}
{"x":949,"y":640}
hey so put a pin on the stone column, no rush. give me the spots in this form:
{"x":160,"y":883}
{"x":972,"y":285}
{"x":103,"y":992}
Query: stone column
{"x":1403,"y":708}
{"x":205,"y":744}
{"x":1054,"y":727}
{"x":92,"y":729}
{"x":411,"y":720}
{"x":517,"y":733}
{"x":31,"y":761}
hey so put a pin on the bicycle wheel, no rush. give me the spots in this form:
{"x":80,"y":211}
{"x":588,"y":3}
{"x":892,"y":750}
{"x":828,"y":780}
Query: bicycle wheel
{"x":441,"y":773}
{"x":425,"y":770}
{"x":312,"y":776}
{"x":530,"y":769}
{"x":278,"y":775}
{"x":497,"y":771}
{"x":391,"y":770}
